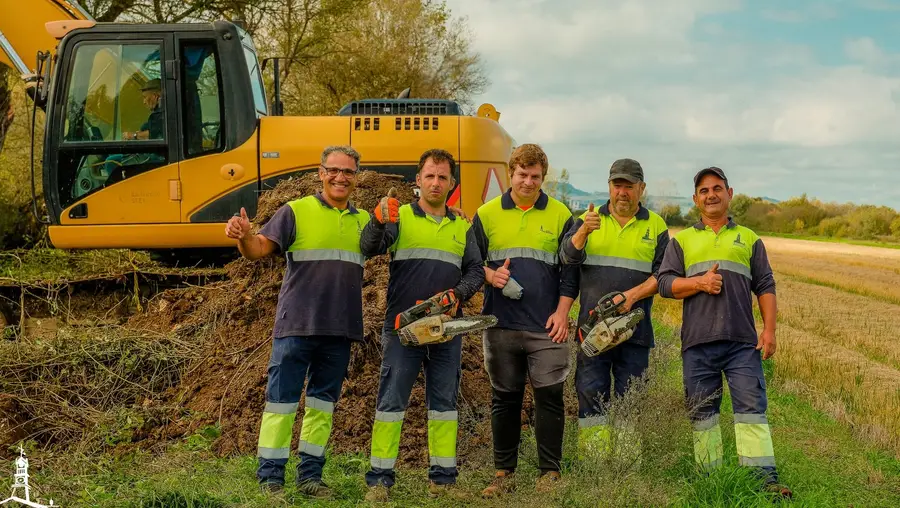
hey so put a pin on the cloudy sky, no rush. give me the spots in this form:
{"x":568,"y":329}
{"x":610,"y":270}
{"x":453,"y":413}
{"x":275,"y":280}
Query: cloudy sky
{"x":787,"y":96}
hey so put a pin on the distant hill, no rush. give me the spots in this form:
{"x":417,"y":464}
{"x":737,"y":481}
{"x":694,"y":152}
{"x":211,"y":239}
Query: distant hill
{"x":580,"y":199}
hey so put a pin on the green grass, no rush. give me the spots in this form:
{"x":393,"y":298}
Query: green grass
{"x":832,"y":239}
{"x":817,"y":457}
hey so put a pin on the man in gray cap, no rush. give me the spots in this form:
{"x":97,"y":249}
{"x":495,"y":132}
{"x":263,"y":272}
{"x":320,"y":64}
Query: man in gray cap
{"x":619,"y":248}
{"x":153,"y":128}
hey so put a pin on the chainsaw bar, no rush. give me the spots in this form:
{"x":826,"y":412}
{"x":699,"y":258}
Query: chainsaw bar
{"x":468,"y":324}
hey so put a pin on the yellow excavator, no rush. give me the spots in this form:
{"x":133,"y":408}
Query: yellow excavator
{"x":156,"y":134}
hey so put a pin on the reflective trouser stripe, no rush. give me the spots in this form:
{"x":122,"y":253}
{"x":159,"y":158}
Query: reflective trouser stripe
{"x":754,"y":440}
{"x":275,"y":435}
{"x":595,"y":438}
{"x":442,"y":431}
{"x":708,"y":443}
{"x":317,"y":420}
{"x":386,"y":438}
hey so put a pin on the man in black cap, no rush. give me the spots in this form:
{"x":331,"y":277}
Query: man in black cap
{"x":714,"y":266}
{"x":619,"y":248}
{"x":153,"y":127}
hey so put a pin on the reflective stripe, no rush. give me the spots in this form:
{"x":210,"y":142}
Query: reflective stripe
{"x":386,"y":438}
{"x":592,"y":421}
{"x":435,"y":254}
{"x":712,"y":464}
{"x":730,"y":266}
{"x":750,"y":418}
{"x":389,"y":416}
{"x":322,"y":405}
{"x":442,"y":434}
{"x":443,"y":461}
{"x":273,"y":453}
{"x":382,"y":463}
{"x":317,"y":422}
{"x":328,"y":255}
{"x":275,"y":430}
{"x":757,"y":461}
{"x":311,"y":449}
{"x":594,"y":439}
{"x":754,"y":442}
{"x":443,"y":415}
{"x":617,"y":262}
{"x":706,"y":424}
{"x":708,"y":449}
{"x":523,"y":252}
{"x":281,"y":408}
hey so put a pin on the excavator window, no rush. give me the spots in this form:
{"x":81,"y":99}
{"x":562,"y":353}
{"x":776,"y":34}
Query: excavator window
{"x":256,"y":82}
{"x":116,"y":97}
{"x":202,"y":100}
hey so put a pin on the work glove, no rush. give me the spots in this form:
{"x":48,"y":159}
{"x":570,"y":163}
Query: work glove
{"x":447,"y":301}
{"x":388,"y":209}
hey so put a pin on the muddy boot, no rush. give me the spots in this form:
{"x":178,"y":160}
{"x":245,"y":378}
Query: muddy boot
{"x":504,"y":482}
{"x":447,"y":491}
{"x":547,"y":482}
{"x":271,"y":487}
{"x":779,"y":491}
{"x":314,"y":489}
{"x":378,"y":494}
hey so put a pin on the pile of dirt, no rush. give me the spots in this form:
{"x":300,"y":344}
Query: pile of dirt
{"x":235,"y":318}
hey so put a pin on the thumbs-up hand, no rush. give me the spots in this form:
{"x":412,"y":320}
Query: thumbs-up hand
{"x":501,"y":275}
{"x":388,"y":209}
{"x":238,"y":227}
{"x":591,"y":220}
{"x":711,"y":281}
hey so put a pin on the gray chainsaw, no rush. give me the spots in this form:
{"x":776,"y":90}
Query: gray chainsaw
{"x":429,"y":321}
{"x":606,"y":327}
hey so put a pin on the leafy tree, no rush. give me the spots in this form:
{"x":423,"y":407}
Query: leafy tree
{"x":671,"y":213}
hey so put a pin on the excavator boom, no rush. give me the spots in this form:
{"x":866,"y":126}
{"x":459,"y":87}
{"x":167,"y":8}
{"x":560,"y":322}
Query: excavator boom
{"x":22,"y":32}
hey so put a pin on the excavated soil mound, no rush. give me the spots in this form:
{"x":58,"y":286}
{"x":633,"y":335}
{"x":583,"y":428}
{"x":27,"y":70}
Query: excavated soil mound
{"x":234,"y":318}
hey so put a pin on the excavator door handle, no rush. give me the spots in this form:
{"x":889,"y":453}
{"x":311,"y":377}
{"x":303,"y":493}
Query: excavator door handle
{"x":232,"y":171}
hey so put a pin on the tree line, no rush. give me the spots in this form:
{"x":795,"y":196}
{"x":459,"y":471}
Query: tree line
{"x":803,"y":216}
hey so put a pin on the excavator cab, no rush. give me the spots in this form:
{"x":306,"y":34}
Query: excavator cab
{"x":132,"y":107}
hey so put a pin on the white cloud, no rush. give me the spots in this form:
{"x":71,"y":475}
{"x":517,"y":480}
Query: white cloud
{"x":593,"y":82}
{"x":812,"y":12}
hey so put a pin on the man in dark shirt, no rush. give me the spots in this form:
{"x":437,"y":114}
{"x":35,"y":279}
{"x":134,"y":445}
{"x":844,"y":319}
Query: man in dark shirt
{"x":153,"y":127}
{"x":714,"y":266}
{"x":318,"y":317}
{"x":619,"y":248}
{"x":432,"y":250}
{"x":519,"y":234}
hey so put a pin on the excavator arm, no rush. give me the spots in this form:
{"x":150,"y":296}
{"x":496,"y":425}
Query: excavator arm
{"x":24,"y":30}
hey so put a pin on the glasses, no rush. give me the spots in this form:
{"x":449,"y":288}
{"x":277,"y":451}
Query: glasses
{"x":333,"y":172}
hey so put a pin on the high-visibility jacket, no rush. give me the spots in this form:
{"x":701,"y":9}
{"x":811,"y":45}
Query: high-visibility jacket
{"x":530,"y":239}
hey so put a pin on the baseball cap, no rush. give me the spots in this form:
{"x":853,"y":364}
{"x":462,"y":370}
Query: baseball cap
{"x":153,"y":84}
{"x":713,"y":170}
{"x":628,"y":169}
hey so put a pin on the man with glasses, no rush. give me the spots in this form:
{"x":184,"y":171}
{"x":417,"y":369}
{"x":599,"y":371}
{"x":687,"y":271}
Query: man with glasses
{"x":319,"y":315}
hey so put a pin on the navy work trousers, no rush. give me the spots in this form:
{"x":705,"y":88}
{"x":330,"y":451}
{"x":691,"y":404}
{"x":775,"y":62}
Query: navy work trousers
{"x":322,"y":361}
{"x":596,"y":376}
